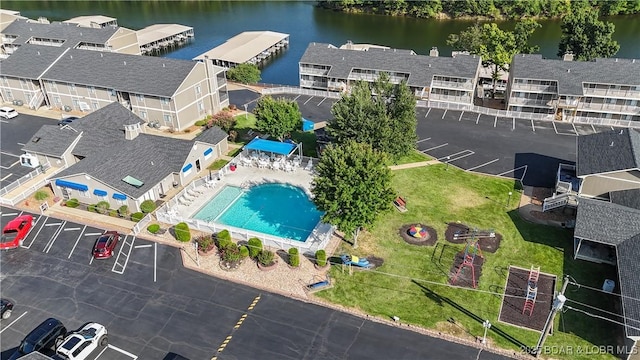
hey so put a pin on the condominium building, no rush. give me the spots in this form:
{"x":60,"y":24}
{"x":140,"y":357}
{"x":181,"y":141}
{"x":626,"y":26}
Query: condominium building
{"x":109,"y":37}
{"x":597,"y":91}
{"x":431,"y":78}
{"x":173,"y":93}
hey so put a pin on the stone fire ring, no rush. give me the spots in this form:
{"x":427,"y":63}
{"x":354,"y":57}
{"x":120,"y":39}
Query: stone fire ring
{"x":429,"y":240}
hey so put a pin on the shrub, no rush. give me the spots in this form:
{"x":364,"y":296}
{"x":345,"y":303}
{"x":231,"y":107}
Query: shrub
{"x":147,"y":206}
{"x":153,"y":228}
{"x":255,"y":247}
{"x":204,"y":242}
{"x":201,"y":123}
{"x":232,"y":107}
{"x":232,"y":253}
{"x":92,"y":208}
{"x":102,"y":207}
{"x":294,"y":257}
{"x":113,"y":213}
{"x":224,"y":235}
{"x":123,"y":210}
{"x":41,"y":195}
{"x":72,"y":203}
{"x":224,"y":120}
{"x":244,"y":251}
{"x":321,"y":257}
{"x":182,"y":232}
{"x":266,"y":257}
{"x":186,"y":131}
{"x":137,"y":216}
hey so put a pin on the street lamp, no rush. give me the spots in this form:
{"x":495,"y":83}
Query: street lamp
{"x":486,"y":325}
{"x":509,"y":199}
{"x":447,"y":168}
{"x":246,"y":113}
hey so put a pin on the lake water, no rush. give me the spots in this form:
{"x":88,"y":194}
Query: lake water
{"x":215,"y":22}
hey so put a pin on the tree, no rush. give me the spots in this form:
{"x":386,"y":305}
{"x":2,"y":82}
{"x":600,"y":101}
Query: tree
{"x":586,"y":36}
{"x":496,"y":47}
{"x":244,"y":73}
{"x":386,"y":120}
{"x":224,"y":120}
{"x":352,"y":186}
{"x":277,"y":117}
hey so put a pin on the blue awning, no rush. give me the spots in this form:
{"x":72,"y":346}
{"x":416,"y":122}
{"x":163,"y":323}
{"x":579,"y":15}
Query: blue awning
{"x":119,"y":196}
{"x":72,"y":185}
{"x":208,"y":151}
{"x":270,"y":146}
{"x":99,"y":192}
{"x":186,"y":168}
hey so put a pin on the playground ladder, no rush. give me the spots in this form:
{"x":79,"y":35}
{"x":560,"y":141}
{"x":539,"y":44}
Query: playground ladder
{"x":532,"y":290}
{"x":467,"y":262}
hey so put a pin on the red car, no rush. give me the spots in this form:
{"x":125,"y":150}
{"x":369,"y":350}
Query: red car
{"x":106,"y":243}
{"x":16,"y":230}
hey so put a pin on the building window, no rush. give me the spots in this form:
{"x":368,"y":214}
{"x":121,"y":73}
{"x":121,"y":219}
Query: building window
{"x":140,"y":97}
{"x":95,"y":105}
{"x":76,"y":104}
{"x":113,"y":92}
{"x":92,"y":90}
{"x":73,"y":87}
{"x":84,"y":193}
{"x":164,"y":101}
{"x":9,"y":95}
{"x":54,"y":86}
{"x":167,"y":118}
{"x":198,"y":90}
{"x":121,"y":202}
{"x":143,"y":114}
{"x":200,"y":106}
{"x":23,"y":82}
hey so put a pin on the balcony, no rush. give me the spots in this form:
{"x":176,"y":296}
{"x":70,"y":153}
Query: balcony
{"x":336,"y":85}
{"x":373,"y":77}
{"x":467,"y":85}
{"x":566,"y":180}
{"x":313,"y":84}
{"x":534,"y":88}
{"x":624,"y":94}
{"x":529,"y":102}
{"x":313,"y":71}
{"x":450,"y":98}
{"x":626,"y":109}
{"x":8,"y":40}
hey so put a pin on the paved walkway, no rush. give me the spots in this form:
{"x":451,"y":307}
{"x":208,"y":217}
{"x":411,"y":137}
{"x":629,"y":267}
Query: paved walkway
{"x":414,"y":165}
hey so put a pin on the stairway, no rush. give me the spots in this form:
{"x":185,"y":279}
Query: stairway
{"x":557,"y":201}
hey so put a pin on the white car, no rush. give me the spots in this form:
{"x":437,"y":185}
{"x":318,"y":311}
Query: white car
{"x":7,"y":112}
{"x":78,"y":345}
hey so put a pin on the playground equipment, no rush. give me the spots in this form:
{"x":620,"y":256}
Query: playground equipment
{"x":320,"y":285}
{"x":471,"y":250}
{"x":532,"y":290}
{"x":475,"y":233}
{"x":355,"y":261}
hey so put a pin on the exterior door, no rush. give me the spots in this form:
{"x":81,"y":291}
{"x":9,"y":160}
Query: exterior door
{"x":198,"y":165}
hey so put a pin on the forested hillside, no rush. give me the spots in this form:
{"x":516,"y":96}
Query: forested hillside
{"x":491,"y":9}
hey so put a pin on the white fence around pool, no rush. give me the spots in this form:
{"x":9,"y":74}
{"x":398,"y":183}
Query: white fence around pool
{"x":318,"y":239}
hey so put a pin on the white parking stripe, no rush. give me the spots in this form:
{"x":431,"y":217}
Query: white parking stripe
{"x":612,"y":128}
{"x":305,"y":103}
{"x":53,"y":238}
{"x":427,"y":114}
{"x":53,"y":224}
{"x":444,"y":113}
{"x":554,"y":126}
{"x":481,"y":165}
{"x":514,"y":123}
{"x":76,"y":244}
{"x":533,"y":126}
{"x":37,"y":233}
{"x":21,"y":144}
{"x":574,"y":128}
{"x":6,"y":177}
{"x":514,"y":170}
{"x":460,"y":118}
{"x":10,"y":166}
{"x":495,"y":122}
{"x":122,"y":351}
{"x":143,"y":246}
{"x":103,"y":350}
{"x":435,"y":147}
{"x":594,"y":128}
{"x":296,"y":98}
{"x":10,"y":214}
{"x":469,"y":153}
{"x":477,"y":119}
{"x":419,"y":141}
{"x":14,"y":321}
{"x":321,"y":101}
{"x":71,"y":229}
{"x":451,"y":155}
{"x":92,"y":234}
{"x":155,"y":260}
{"x":9,"y":154}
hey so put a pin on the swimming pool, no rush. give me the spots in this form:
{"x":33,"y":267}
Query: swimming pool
{"x":275,"y":209}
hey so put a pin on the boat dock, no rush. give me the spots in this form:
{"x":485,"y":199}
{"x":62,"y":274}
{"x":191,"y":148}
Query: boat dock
{"x":93,"y":21}
{"x":251,"y":47}
{"x":159,"y":37}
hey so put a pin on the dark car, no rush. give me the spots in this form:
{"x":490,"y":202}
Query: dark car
{"x":41,"y":339}
{"x":67,"y":120}
{"x":174,"y":356}
{"x":15,"y":231}
{"x":6,"y":307}
{"x":106,"y":243}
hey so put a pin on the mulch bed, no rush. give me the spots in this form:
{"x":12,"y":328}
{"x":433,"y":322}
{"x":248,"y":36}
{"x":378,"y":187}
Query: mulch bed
{"x":464,"y":278}
{"x":487,"y":243}
{"x":429,"y":240}
{"x":375,"y":261}
{"x":514,"y":297}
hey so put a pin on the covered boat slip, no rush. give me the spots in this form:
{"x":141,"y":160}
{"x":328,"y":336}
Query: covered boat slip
{"x":248,"y":47}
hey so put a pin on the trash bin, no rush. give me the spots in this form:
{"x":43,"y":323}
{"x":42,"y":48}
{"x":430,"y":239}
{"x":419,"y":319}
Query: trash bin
{"x":608,"y":286}
{"x":232,"y":167}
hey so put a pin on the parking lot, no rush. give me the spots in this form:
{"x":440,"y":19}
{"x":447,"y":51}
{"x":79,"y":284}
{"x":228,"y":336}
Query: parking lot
{"x":152,"y":306}
{"x":14,"y":133}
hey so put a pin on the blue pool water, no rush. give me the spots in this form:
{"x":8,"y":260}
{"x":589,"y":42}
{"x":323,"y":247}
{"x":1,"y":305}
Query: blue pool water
{"x":275,"y":209}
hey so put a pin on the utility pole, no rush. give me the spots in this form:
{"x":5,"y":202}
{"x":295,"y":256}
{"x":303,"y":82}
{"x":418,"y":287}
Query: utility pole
{"x":558,"y":303}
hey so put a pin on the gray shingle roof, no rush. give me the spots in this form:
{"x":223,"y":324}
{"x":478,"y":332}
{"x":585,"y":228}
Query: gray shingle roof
{"x":628,"y":198}
{"x":628,"y":254}
{"x":71,"y":33}
{"x":606,"y":222}
{"x":30,"y":61}
{"x":109,"y":157}
{"x":571,"y":74}
{"x":597,"y":155}
{"x":51,"y":140}
{"x":137,"y":74}
{"x":420,"y":67}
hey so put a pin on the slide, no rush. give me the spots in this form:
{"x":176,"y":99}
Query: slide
{"x":356,"y":261}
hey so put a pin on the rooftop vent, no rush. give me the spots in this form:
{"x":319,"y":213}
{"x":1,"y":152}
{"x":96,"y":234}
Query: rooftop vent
{"x":38,"y":52}
{"x":568,"y":56}
{"x":100,"y":54}
{"x":611,"y":145}
{"x":429,"y":65}
{"x":621,"y":131}
{"x":434,"y":52}
{"x":568,"y":70}
{"x":125,"y":63}
{"x":162,"y":64}
{"x":35,"y":139}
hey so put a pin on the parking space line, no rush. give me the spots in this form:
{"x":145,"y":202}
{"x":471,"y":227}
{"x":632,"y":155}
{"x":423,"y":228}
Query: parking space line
{"x":533,"y":126}
{"x":481,"y":165}
{"x":305,"y":103}
{"x":593,"y":128}
{"x":71,"y":229}
{"x":514,"y":123}
{"x":321,"y":101}
{"x":10,"y":166}
{"x":37,"y":233}
{"x":155,"y":260}
{"x":76,"y":243}
{"x":14,"y":321}
{"x":612,"y":128}
{"x":454,"y":157}
{"x":92,"y":234}
{"x":296,"y":98}
{"x":460,"y":118}
{"x":9,"y":214}
{"x":53,"y":238}
{"x":435,"y":147}
{"x":126,"y":261}
{"x":554,"y":126}
{"x":101,"y":352}
{"x":419,"y":141}
{"x":134,"y":357}
{"x":427,"y":114}
{"x":495,"y":122}
{"x":6,"y":177}
{"x":54,"y":224}
{"x":143,"y":246}
{"x":9,"y":154}
{"x":21,"y":144}
{"x":444,"y":113}
{"x":478,"y":119}
{"x":574,"y":128}
{"x":524,"y":173}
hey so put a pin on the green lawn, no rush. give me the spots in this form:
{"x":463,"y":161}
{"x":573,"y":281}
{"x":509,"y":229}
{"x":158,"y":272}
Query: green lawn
{"x":412,"y":157}
{"x":412,"y":282}
{"x":218,"y":164}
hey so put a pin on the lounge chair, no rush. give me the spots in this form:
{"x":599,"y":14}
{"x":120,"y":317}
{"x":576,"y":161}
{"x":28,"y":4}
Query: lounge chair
{"x":188,"y":197}
{"x":400,"y":204}
{"x":309,"y":165}
{"x":193,"y":192}
{"x":184,"y":201}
